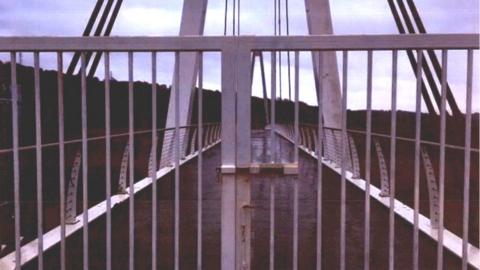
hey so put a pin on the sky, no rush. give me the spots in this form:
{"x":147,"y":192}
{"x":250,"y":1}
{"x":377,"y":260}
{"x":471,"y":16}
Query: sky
{"x":162,"y":18}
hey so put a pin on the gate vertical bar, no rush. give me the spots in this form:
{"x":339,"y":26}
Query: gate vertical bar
{"x":295,"y":183}
{"x":319,"y":164}
{"x":243,"y":129}
{"x":228,"y":200}
{"x":16,"y":161}
{"x":343,"y":161}
{"x":200,"y":161}
{"x":393,"y":134}
{"x":468,"y":142}
{"x":84,"y":160}
{"x":441,"y":174}
{"x":177,"y":163}
{"x":153,"y":172}
{"x":131,"y":214}
{"x":61,"y":158}
{"x":416,"y":189}
{"x":368,"y":148}
{"x":38,"y":155}
{"x":108,"y":160}
{"x":273,"y":98}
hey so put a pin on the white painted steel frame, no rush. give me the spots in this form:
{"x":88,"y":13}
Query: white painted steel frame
{"x":16,"y":157}
{"x":51,"y":238}
{"x":243,"y":155}
{"x":416,"y":189}
{"x":319,"y":146}
{"x":154,"y":161}
{"x":108,"y":165}
{"x":229,"y":54}
{"x":61,"y":158}
{"x":192,"y":23}
{"x":228,"y":152}
{"x":223,"y":43}
{"x":84,"y":161}
{"x":368,"y":143}
{"x":38,"y":157}
{"x":199,"y":162}
{"x":452,"y":242}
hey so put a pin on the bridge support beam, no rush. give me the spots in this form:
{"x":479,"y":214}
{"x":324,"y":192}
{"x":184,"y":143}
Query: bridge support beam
{"x":192,"y":23}
{"x":319,"y":21}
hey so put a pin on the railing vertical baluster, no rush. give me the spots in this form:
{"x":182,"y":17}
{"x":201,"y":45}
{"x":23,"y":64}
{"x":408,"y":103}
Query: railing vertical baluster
{"x":177,"y":161}
{"x":108,"y":172}
{"x":61,"y":158}
{"x":38,"y":155}
{"x":468,"y":137}
{"x":200,"y":162}
{"x":441,"y":174}
{"x":131,"y":205}
{"x":16,"y":161}
{"x":368,"y":143}
{"x":273,"y":153}
{"x":319,"y":164}
{"x":393,"y":134}
{"x":295,"y":183}
{"x":153,"y":172}
{"x":416,"y":189}
{"x":343,"y":161}
{"x":84,"y":160}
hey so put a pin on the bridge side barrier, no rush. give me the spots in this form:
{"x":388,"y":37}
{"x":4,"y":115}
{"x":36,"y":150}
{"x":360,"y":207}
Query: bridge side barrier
{"x":74,"y":221}
{"x":427,"y":224}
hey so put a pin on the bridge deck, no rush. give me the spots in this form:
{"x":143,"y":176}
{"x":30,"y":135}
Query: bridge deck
{"x":260,"y":241}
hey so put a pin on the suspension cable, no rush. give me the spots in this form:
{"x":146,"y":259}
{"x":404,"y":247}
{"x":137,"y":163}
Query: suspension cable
{"x":225,"y":18}
{"x":288,"y":53}
{"x":274,"y":17}
{"x":279,"y":16}
{"x":238,"y":18}
{"x":233,"y":18}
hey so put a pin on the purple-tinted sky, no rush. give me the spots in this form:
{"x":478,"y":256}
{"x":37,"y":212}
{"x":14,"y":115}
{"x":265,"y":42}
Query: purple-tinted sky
{"x":146,"y":17}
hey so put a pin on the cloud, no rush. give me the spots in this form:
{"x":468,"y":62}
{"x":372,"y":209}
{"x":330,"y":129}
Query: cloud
{"x":146,"y":17}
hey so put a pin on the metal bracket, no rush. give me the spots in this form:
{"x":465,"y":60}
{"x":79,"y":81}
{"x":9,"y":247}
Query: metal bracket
{"x":193,"y":142}
{"x":384,"y":182}
{"x":122,"y":179}
{"x":355,"y":160}
{"x":71,"y":207}
{"x":151,"y":169}
{"x":432,"y":188}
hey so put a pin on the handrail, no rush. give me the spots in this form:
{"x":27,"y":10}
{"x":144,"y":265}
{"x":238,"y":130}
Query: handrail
{"x":220,"y":43}
{"x":96,"y":138}
{"x":400,"y":138}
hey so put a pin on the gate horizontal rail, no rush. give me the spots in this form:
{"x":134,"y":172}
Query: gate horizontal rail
{"x":219,"y":43}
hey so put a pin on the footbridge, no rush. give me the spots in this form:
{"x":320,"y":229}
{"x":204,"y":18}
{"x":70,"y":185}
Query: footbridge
{"x":101,"y":174}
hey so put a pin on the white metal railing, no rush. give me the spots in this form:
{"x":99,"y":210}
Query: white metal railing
{"x":234,"y":67}
{"x":428,"y":222}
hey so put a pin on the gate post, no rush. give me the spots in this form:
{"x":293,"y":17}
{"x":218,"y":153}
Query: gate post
{"x":243,"y":112}
{"x":236,"y":157}
{"x":228,"y":201}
